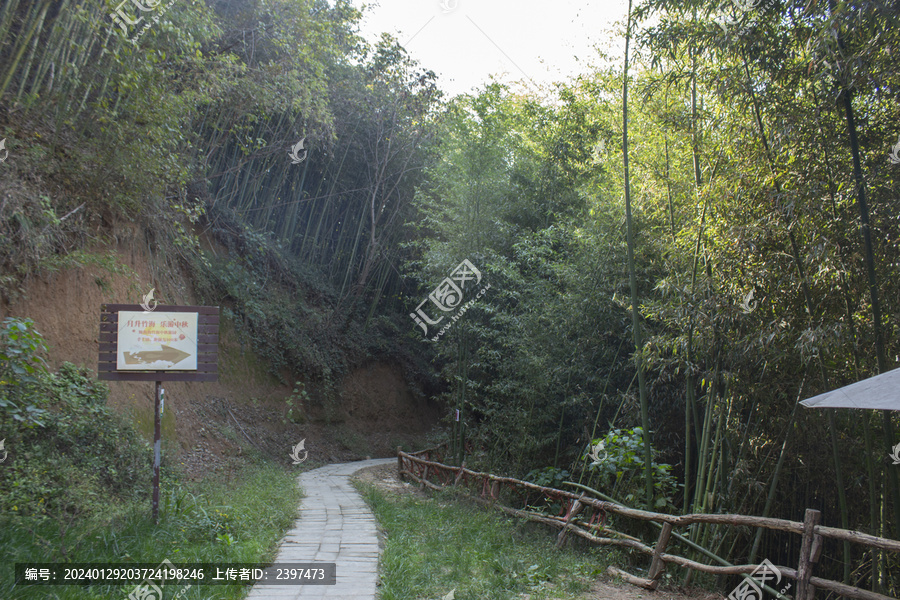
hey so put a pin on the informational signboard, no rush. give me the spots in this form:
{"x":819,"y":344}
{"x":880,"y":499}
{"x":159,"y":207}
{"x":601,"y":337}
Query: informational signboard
{"x":157,"y":341}
{"x":168,"y":343}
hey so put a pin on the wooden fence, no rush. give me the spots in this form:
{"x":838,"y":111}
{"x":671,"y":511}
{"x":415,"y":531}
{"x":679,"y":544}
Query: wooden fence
{"x":585,"y":516}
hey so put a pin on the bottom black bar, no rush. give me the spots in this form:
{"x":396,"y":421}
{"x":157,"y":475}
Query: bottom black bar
{"x":155,"y":575}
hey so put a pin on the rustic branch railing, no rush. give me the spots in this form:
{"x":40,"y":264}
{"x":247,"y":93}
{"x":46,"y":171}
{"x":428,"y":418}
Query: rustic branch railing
{"x":571,"y":519}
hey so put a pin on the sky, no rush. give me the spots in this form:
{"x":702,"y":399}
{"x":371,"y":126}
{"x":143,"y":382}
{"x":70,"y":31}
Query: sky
{"x":467,"y":41}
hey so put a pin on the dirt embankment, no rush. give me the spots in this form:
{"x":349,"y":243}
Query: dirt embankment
{"x":205,"y":424}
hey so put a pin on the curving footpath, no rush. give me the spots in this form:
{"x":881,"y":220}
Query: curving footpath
{"x":335,"y":525}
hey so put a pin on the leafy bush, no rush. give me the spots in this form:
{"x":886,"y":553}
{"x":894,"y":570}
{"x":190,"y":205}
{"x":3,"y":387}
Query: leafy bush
{"x":548,"y":477}
{"x":81,"y":456}
{"x":296,"y":404}
{"x":551,"y":477}
{"x":617,"y":459}
{"x":21,"y":366}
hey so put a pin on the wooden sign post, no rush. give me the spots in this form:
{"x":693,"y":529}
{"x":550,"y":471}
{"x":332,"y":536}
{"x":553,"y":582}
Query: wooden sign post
{"x":168,"y":343}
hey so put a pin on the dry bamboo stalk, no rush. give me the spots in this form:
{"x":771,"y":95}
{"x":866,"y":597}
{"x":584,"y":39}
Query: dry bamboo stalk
{"x":658,"y":565}
{"x":459,"y":476}
{"x":424,"y":482}
{"x":670,"y":521}
{"x":639,"y":581}
{"x":609,"y":530}
{"x":678,"y":521}
{"x":858,"y":537}
{"x":846,"y":590}
{"x":557,"y":522}
{"x":719,"y":570}
{"x":573,"y":512}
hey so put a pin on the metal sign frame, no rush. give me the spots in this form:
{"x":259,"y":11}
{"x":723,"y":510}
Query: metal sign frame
{"x":207,"y":364}
{"x":207,"y":345}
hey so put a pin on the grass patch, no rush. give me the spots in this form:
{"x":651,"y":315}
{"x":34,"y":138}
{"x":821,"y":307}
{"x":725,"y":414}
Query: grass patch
{"x":215,"y":520}
{"x":436,"y":544}
{"x":75,"y":481}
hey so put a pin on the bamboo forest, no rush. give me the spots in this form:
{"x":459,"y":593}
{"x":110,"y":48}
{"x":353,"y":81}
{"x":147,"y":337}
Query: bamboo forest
{"x":622,"y":284}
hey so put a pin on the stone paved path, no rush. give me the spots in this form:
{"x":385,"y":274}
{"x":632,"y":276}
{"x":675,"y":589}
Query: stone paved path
{"x":335,"y":525}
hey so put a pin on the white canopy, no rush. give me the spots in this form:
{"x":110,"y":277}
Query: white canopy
{"x":881,"y":392}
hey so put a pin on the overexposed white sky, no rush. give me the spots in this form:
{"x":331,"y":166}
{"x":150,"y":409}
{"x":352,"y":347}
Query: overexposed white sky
{"x":466,"y":41}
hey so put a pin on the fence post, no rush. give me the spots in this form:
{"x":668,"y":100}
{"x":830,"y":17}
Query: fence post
{"x":813,"y":559}
{"x":804,"y":569}
{"x":658,"y":565}
{"x":399,"y":464}
{"x":573,"y":512}
{"x":460,"y":473}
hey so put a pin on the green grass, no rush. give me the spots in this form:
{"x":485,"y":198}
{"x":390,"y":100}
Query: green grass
{"x":436,"y":544}
{"x":239,"y":519}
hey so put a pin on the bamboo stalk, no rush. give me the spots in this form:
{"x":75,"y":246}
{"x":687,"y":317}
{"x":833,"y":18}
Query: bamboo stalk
{"x":632,"y":277}
{"x":14,"y":64}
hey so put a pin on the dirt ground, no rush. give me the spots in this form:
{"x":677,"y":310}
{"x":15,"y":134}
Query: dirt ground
{"x":606,"y":588}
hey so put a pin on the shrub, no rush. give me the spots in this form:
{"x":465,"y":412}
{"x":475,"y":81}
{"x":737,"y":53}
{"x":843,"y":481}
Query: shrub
{"x":21,"y":367}
{"x":69,"y":454}
{"x":617,"y":459}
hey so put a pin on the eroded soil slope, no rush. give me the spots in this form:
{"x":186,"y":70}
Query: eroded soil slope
{"x":205,"y":424}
